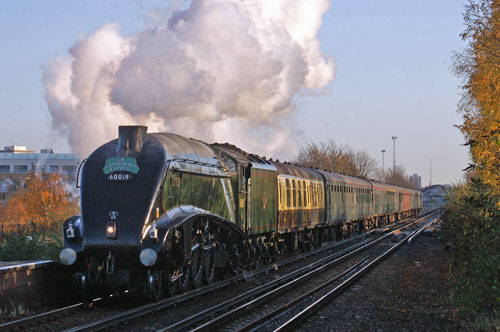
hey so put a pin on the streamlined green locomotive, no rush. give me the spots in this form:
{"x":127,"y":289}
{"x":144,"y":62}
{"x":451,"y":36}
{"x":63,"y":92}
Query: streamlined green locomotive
{"x":161,"y":212}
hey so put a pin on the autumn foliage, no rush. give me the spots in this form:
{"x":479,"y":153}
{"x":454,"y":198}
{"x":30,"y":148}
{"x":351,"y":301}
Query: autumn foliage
{"x":472,"y":215}
{"x":479,"y":67}
{"x":43,"y":202}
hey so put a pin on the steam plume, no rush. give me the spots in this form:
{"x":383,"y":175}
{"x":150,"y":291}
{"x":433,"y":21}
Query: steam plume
{"x":220,"y":70}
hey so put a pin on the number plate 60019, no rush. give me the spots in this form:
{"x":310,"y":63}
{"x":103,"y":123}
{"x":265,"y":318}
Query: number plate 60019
{"x":119,"y":176}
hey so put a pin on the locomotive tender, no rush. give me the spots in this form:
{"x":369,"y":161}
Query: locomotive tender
{"x":161,"y":212}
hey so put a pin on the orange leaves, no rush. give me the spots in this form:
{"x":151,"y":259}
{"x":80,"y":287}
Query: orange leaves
{"x":479,"y":65}
{"x":43,"y":202}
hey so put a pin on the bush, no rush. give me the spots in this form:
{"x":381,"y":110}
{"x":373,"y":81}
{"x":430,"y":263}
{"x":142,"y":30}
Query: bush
{"x":472,"y":229}
{"x":31,"y":247}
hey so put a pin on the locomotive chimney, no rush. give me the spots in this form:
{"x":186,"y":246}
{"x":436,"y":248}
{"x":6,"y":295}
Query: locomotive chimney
{"x":130,"y":139}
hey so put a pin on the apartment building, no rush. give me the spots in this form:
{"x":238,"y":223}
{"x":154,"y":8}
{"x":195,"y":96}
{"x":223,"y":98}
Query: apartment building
{"x":17,"y":163}
{"x":416,"y":180}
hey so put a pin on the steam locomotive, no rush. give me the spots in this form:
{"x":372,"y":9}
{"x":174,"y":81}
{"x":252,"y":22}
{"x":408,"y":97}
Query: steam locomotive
{"x":161,"y":212}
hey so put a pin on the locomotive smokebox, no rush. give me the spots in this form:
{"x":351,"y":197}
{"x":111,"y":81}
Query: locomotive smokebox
{"x":130,"y":139}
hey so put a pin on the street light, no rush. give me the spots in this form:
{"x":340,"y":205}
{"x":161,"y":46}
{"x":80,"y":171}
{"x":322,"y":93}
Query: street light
{"x":394,"y":153}
{"x":430,"y":167}
{"x":383,"y":167}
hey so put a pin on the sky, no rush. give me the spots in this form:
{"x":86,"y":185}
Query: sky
{"x":393,"y":76}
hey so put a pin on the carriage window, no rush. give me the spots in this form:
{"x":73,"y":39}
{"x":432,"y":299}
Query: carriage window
{"x":328,"y":194}
{"x":280,"y":185}
{"x":320,"y":200}
{"x":288,"y":198}
{"x":316,"y":195}
{"x":304,"y":192}
{"x":294,"y":194}
{"x":242,"y":178}
{"x":299,"y":193}
{"x":313,"y":195}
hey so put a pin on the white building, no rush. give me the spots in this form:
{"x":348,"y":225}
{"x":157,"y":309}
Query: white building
{"x":16,"y":163}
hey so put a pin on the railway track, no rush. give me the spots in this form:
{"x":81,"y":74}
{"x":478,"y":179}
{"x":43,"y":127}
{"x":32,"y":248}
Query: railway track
{"x":254,"y":308}
{"x":43,"y":317}
{"x":169,"y":302}
{"x":339,"y":289}
{"x":65,"y":311}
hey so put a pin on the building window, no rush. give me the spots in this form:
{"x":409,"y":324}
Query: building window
{"x":4,"y":168}
{"x":69,"y":169}
{"x":39,"y":168}
{"x":20,"y":168}
{"x":4,"y":186}
{"x":54,"y":168}
{"x":3,"y":197}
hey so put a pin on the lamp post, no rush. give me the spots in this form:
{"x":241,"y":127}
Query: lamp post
{"x":394,"y":153}
{"x":430,"y":167}
{"x":383,"y":165}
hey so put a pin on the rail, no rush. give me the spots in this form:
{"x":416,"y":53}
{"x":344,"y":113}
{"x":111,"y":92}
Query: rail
{"x":152,"y":307}
{"x":290,"y":324}
{"x":236,"y":306}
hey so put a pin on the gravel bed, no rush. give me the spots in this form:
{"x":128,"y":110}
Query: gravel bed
{"x":183,"y":310}
{"x":164,"y":317}
{"x":295,"y":292}
{"x":406,"y":292}
{"x":377,"y":303}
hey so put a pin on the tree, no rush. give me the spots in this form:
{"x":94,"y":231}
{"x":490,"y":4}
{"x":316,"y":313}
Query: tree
{"x":471,"y":215}
{"x":43,"y":202}
{"x":337,"y":158}
{"x":397,"y":176}
{"x":366,"y":165}
{"x":327,"y":155}
{"x":479,"y":67}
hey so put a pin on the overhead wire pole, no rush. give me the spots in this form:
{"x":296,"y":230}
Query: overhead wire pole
{"x":394,"y":153}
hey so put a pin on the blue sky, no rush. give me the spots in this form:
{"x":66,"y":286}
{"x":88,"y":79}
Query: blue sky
{"x":393,"y":75}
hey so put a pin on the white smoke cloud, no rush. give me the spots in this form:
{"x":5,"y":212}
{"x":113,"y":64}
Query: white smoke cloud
{"x":224,"y":70}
